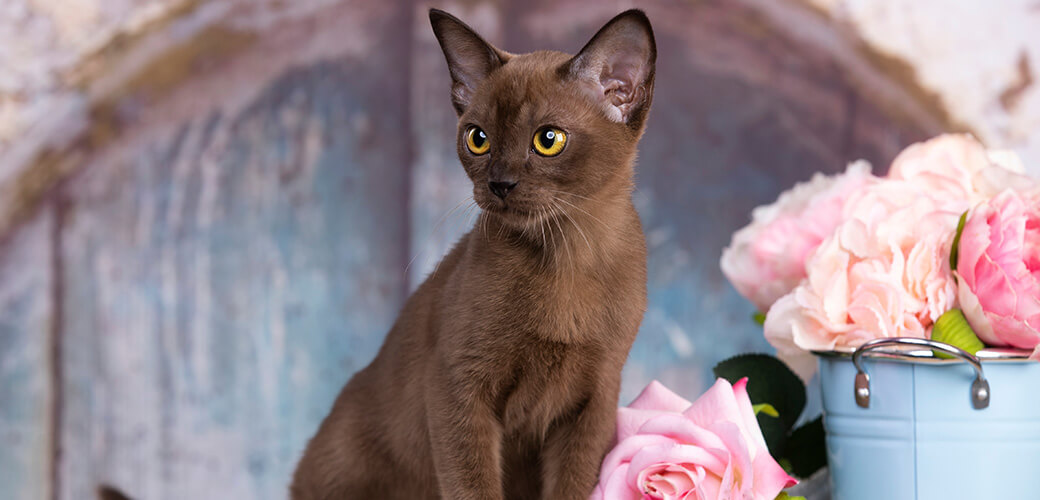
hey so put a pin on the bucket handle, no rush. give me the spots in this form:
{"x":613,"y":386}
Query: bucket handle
{"x":979,"y":388}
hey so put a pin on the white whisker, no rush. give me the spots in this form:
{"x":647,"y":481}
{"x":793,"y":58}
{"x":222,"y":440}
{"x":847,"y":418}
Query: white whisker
{"x":593,"y":217}
{"x":466,"y":219}
{"x":551,"y":234}
{"x":541,"y":227}
{"x":576,"y":226}
{"x":572,"y":194}
{"x":545,"y":243}
{"x":433,"y":231}
{"x":484,"y":224}
{"x":563,"y":236}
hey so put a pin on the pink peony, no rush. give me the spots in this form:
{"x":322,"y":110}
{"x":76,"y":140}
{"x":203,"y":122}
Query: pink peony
{"x":951,"y":173}
{"x":999,"y":270}
{"x":884,"y":270}
{"x":669,"y":448}
{"x":766,"y":259}
{"x":883,"y":273}
{"x":945,"y":167}
{"x":957,"y":172}
{"x":853,"y":297}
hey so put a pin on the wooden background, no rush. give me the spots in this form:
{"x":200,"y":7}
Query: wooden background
{"x":185,"y":287}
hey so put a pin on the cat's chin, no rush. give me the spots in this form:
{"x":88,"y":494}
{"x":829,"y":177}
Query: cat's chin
{"x":514,"y":216}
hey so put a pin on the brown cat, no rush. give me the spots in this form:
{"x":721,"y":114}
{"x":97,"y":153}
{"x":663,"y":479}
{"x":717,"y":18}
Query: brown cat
{"x":500,"y":378}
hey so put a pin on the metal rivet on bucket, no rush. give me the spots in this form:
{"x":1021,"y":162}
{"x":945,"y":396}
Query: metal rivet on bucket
{"x":979,"y":388}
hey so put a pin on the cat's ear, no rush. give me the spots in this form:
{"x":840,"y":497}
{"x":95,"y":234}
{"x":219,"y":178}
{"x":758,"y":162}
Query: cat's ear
{"x":617,"y":67}
{"x":470,"y":58}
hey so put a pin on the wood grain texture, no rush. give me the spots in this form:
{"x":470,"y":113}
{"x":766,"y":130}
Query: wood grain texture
{"x":26,"y":385}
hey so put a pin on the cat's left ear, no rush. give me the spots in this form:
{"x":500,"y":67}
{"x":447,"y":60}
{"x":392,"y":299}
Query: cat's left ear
{"x":617,"y":67}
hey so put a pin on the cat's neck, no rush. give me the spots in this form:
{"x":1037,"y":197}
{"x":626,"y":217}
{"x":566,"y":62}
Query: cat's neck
{"x":574,"y":234}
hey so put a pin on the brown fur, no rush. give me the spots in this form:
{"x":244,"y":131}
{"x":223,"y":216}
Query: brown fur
{"x":500,"y":377}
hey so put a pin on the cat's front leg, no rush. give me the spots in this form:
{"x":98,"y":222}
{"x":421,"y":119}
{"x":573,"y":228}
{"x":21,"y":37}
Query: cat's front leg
{"x":574,"y":449}
{"x":466,"y":440}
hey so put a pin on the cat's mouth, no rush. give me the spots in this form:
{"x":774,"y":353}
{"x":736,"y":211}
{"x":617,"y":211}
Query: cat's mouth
{"x":517,"y":211}
{"x":506,"y":210}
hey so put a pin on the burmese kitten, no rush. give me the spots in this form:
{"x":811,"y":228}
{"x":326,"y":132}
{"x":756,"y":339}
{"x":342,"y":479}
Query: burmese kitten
{"x":500,"y":378}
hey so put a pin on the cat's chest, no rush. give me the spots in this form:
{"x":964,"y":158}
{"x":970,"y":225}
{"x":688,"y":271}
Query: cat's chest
{"x":570,"y":308}
{"x":546,"y":381}
{"x":503,"y":291}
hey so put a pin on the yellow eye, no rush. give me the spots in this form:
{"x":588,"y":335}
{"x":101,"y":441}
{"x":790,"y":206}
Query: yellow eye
{"x":549,"y":141}
{"x":477,"y":141}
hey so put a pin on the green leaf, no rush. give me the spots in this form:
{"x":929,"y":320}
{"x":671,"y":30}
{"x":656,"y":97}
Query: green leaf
{"x":784,"y":496}
{"x":759,"y":318}
{"x":806,"y":449}
{"x":770,"y":381}
{"x":765,"y":408}
{"x":955,"y":248}
{"x":953,"y":328}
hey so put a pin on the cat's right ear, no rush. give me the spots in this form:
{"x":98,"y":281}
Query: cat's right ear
{"x":470,"y":58}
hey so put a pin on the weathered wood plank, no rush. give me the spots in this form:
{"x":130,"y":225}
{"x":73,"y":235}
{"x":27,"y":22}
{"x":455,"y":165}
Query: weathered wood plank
{"x":225,"y":274}
{"x":26,"y":392}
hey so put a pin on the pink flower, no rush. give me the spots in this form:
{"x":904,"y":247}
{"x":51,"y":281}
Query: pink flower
{"x":766,"y":259}
{"x":883,"y":273}
{"x":957,"y":171}
{"x":999,"y":270}
{"x":945,"y":167}
{"x":669,"y":448}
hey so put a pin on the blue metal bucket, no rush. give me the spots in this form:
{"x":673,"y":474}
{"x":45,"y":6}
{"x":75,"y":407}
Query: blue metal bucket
{"x":920,"y":427}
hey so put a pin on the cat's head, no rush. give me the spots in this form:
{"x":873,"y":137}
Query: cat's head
{"x":534,"y":127}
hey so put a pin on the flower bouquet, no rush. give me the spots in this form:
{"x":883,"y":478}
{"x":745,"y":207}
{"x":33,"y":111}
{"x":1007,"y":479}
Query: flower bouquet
{"x":942,"y":254}
{"x":841,"y":260}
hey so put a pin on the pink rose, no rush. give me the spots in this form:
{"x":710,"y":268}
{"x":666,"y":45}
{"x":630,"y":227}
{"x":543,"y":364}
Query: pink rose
{"x":669,"y":448}
{"x":999,"y":269}
{"x":766,"y":259}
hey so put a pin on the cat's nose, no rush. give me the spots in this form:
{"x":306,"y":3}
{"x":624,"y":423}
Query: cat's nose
{"x":501,"y":188}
